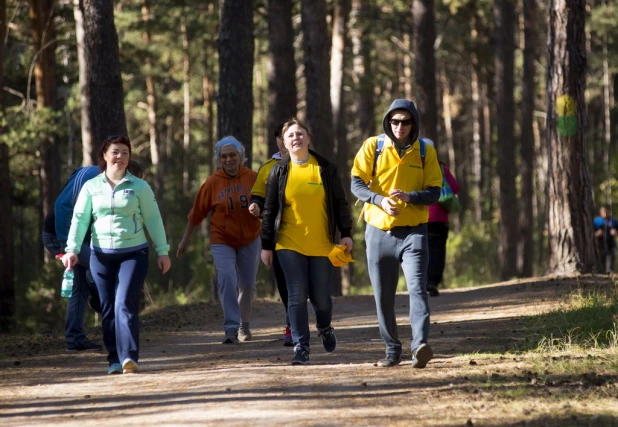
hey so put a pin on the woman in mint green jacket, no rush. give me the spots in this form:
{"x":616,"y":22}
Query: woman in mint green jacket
{"x":119,"y":206}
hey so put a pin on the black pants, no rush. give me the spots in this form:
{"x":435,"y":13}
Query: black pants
{"x":437,"y":235}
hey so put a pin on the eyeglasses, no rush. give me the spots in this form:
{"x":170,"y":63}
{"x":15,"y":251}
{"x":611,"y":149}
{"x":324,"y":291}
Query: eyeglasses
{"x":396,"y":122}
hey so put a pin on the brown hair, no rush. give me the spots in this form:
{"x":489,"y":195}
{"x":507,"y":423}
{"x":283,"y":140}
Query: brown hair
{"x":294,"y":121}
{"x":114,"y":139}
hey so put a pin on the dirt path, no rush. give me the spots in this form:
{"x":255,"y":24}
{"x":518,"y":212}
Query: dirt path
{"x":187,"y":377}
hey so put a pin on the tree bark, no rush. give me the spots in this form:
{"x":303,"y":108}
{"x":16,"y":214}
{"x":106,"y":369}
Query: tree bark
{"x":3,"y":29}
{"x":425,"y":67}
{"x":504,"y":14}
{"x":89,"y":152}
{"x":526,"y":219}
{"x":362,"y":46}
{"x":281,"y":68}
{"x":7,"y":286}
{"x":476,"y":112}
{"x":104,"y":88}
{"x":571,"y":241}
{"x":235,"y":97}
{"x":186,"y":117}
{"x":317,"y":73}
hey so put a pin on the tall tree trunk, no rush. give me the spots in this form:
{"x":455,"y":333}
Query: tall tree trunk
{"x":7,"y":285}
{"x":282,"y":68}
{"x":362,"y":46}
{"x":475,"y":89}
{"x":607,"y":124}
{"x":89,"y":152}
{"x":447,"y":149}
{"x":343,"y":279}
{"x":571,"y":241}
{"x":425,"y":67}
{"x":3,"y":30}
{"x":151,"y":95}
{"x":487,"y":147}
{"x":408,"y":76}
{"x":104,"y":89}
{"x":186,"y":117}
{"x":504,"y":14}
{"x":209,"y":100}
{"x":317,"y":72}
{"x":526,"y":219}
{"x":235,"y":96}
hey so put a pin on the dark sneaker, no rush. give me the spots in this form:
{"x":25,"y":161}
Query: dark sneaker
{"x":287,"y":338}
{"x":301,"y":357}
{"x":231,"y":339}
{"x":422,"y":356}
{"x":95,"y":303}
{"x":329,"y":340}
{"x":433,"y":292}
{"x":84,"y":346}
{"x":390,"y":360}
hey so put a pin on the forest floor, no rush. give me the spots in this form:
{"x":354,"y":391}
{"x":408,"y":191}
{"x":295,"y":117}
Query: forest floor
{"x":479,"y":376}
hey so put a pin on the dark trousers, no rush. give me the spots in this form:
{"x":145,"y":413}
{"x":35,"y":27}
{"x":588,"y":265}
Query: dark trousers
{"x":120,"y":303}
{"x":281,"y":285}
{"x":437,"y":235}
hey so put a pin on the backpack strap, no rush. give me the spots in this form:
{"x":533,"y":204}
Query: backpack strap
{"x":379,"y":149}
{"x":423,"y":151}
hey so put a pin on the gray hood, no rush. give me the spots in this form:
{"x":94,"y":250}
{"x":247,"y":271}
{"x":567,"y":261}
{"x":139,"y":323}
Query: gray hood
{"x":402,"y":104}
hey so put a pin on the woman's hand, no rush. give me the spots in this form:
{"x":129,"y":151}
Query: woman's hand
{"x":348,"y":243}
{"x":164,"y":263}
{"x":182,"y":247}
{"x":69,"y":260}
{"x":401,"y":195}
{"x":254,"y":209}
{"x":267,"y":257}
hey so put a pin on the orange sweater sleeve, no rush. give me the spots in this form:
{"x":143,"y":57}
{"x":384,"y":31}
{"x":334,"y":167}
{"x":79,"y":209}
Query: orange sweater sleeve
{"x":201,"y":205}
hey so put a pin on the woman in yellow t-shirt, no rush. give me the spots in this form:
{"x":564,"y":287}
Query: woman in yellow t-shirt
{"x":305,"y":205}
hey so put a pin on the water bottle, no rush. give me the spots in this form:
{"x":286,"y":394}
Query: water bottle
{"x":67,"y":284}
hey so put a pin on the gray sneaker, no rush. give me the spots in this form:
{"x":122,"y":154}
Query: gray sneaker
{"x":422,"y":356}
{"x":231,"y":337}
{"x":244,"y":334}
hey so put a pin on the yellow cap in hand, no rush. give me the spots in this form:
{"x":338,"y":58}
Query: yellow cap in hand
{"x":339,"y":257}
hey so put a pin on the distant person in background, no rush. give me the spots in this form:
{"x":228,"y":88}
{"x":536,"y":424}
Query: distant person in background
{"x":55,"y":232}
{"x":117,"y":207}
{"x":437,"y":233}
{"x":234,"y":235}
{"x":605,"y":229}
{"x":258,"y":195}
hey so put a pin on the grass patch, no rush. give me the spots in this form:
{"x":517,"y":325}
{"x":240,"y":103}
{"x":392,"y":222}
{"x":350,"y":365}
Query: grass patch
{"x":589,"y":320}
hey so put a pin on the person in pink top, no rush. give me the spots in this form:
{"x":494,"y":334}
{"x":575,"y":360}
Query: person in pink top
{"x":437,"y":234}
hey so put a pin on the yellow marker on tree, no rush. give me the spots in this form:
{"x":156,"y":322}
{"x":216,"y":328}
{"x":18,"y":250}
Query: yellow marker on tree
{"x":566,"y":107}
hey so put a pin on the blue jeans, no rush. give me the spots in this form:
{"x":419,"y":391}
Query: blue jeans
{"x":76,"y":305}
{"x":119,"y":278}
{"x":307,"y":277}
{"x":386,"y":250}
{"x":236,"y":271}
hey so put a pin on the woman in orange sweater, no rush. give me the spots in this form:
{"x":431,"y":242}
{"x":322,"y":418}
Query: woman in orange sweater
{"x":234,"y":235}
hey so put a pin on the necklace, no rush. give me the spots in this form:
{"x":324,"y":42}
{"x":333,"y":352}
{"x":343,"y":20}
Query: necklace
{"x":300,"y":162}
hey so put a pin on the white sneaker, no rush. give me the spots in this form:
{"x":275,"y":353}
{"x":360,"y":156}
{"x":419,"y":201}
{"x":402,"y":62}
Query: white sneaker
{"x":244,"y":335}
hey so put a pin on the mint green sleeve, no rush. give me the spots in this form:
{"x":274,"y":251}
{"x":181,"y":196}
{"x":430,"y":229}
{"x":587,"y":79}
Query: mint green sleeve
{"x":152,"y":219}
{"x":82,"y":214}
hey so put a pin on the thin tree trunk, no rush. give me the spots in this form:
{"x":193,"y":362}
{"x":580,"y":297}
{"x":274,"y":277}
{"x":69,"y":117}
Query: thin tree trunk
{"x":209,"y":100}
{"x":477,"y":167}
{"x":235,"y":95}
{"x":447,"y":149}
{"x":7,"y":286}
{"x":317,"y":72}
{"x":526,"y":219}
{"x":487,"y":147}
{"x":343,"y":277}
{"x":151,"y":95}
{"x":504,"y":14}
{"x":408,"y":76}
{"x":104,"y":89}
{"x":3,"y":30}
{"x":425,"y":67}
{"x":362,"y":45}
{"x":89,"y":152}
{"x":186,"y":122}
{"x":281,"y":69}
{"x":607,"y":125}
{"x":571,"y":241}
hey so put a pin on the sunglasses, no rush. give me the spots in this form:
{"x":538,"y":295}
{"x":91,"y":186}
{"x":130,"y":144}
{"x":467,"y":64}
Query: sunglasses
{"x":396,"y":122}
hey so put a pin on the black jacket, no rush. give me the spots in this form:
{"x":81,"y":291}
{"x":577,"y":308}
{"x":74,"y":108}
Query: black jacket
{"x":337,"y":207}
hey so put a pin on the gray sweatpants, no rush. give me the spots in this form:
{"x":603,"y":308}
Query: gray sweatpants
{"x":386,"y":250}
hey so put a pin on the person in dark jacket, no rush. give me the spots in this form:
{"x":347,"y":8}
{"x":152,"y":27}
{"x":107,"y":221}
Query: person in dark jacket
{"x":305,"y":205}
{"x":605,"y":230}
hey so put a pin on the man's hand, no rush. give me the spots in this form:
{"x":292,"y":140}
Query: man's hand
{"x":389,"y":206}
{"x":254,"y":209}
{"x":401,"y":195}
{"x":348,"y":243}
{"x":182,"y":247}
